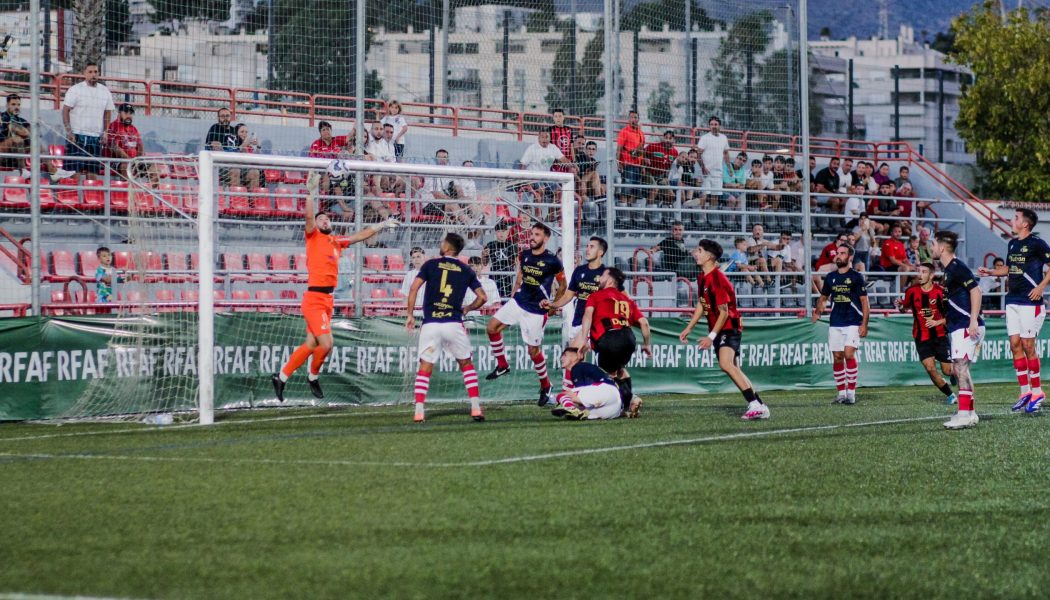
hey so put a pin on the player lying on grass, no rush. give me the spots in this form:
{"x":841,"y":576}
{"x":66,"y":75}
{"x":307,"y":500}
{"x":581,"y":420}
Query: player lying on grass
{"x":607,"y":319}
{"x":322,"y":265}
{"x":447,"y":280}
{"x":925,"y":300}
{"x":725,"y":326}
{"x":593,"y":395}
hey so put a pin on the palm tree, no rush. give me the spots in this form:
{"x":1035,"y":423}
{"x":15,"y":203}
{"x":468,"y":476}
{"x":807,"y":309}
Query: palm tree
{"x":89,"y":38}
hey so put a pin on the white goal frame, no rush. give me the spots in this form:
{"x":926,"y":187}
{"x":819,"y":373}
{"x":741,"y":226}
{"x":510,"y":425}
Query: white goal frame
{"x":208,"y":161}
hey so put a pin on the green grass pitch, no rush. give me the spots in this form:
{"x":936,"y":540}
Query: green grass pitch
{"x":875,"y":500}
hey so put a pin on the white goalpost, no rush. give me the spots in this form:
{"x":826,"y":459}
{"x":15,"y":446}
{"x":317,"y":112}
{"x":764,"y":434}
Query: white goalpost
{"x":499,"y":187}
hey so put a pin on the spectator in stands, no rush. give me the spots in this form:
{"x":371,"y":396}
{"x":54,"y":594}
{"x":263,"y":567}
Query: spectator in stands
{"x":827,"y":254}
{"x":124,"y":141}
{"x":734,"y":178}
{"x":864,"y":232}
{"x":658,"y":159}
{"x":438,"y":194}
{"x":826,"y":181}
{"x":893,"y":256}
{"x":714,"y":153}
{"x":501,"y":253}
{"x":883,"y":174}
{"x":870,"y":185}
{"x":992,"y":288}
{"x":854,"y":206}
{"x":630,"y":150}
{"x":481,"y":268}
{"x":248,"y":144}
{"x":541,"y":156}
{"x":589,"y":181}
{"x":925,"y":245}
{"x":758,"y":247}
{"x":738,"y":262}
{"x":563,"y":138}
{"x":812,"y":172}
{"x":790,"y":255}
{"x":106,"y":275}
{"x":903,"y":176}
{"x":222,"y":137}
{"x":327,"y":146}
{"x":756,"y":182}
{"x":884,"y":206}
{"x":394,"y":119}
{"x":417,"y":257}
{"x":912,"y":250}
{"x":685,"y":173}
{"x":15,"y":139}
{"x":846,"y":176}
{"x":791,"y":183}
{"x":673,"y":254}
{"x":86,"y":110}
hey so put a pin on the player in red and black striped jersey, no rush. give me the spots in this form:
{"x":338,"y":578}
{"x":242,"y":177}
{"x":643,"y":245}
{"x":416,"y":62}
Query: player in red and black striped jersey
{"x":926,"y":301}
{"x":607,"y":320}
{"x":562,"y":138}
{"x":718,"y":301}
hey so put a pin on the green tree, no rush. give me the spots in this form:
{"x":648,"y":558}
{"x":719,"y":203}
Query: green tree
{"x":660,"y":103}
{"x":1003,"y":114}
{"x":734,"y":95}
{"x":778,"y":106}
{"x":655,"y":13}
{"x":89,"y":35}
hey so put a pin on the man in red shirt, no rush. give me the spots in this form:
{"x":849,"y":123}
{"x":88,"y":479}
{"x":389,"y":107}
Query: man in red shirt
{"x":607,"y":320}
{"x":322,"y":266}
{"x":927,"y":302}
{"x":630,"y":153}
{"x":718,"y":301}
{"x":894,"y":256}
{"x":124,"y":141}
{"x":658,"y":159}
{"x":327,"y":146}
{"x":562,"y":137}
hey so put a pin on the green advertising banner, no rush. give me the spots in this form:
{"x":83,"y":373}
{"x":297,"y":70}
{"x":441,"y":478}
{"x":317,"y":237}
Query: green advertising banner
{"x":103,"y":364}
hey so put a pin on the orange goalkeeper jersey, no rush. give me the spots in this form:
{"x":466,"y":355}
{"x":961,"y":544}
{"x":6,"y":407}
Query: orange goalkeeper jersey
{"x":322,"y":258}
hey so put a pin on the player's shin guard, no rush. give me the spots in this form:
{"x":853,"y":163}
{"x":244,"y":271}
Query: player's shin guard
{"x":1021,"y":368}
{"x":1033,"y":374}
{"x":423,"y":385}
{"x":295,"y":361}
{"x":539,"y":364}
{"x":965,"y":399}
{"x":319,"y":354}
{"x":851,"y":374}
{"x":839,"y":368}
{"x":498,"y":350}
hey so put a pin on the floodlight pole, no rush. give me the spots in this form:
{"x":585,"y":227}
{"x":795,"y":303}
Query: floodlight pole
{"x":34,"y":155}
{"x":359,"y":131}
{"x":807,"y":226}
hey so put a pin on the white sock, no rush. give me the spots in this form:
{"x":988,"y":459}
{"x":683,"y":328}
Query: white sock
{"x":313,"y":377}
{"x":475,"y":403}
{"x":282,"y":376}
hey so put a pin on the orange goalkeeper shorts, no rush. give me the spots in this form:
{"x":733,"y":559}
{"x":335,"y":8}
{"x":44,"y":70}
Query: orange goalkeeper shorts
{"x":318,"y":308}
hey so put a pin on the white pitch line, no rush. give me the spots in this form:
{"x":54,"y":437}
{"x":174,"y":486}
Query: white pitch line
{"x":479,"y":463}
{"x":17,"y":596}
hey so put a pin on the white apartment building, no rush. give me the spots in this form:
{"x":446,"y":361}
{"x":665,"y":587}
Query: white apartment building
{"x":920,"y":70}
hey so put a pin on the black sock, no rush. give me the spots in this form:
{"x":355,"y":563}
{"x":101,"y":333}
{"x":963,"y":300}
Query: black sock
{"x":946,"y":389}
{"x":749,"y":395}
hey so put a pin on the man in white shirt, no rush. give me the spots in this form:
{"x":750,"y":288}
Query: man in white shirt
{"x":854,"y":204}
{"x":381,"y":148}
{"x":714,"y":152}
{"x":540,"y":157}
{"x":418,"y":257}
{"x":846,"y":176}
{"x":481,"y":268}
{"x":86,"y":111}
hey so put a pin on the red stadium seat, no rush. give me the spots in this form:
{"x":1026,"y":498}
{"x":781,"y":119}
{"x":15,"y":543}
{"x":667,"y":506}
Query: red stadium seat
{"x":189,"y":295}
{"x":374,"y":262}
{"x":94,"y":197}
{"x":153,"y":263}
{"x":237,"y":203}
{"x":286,"y":203}
{"x":118,"y":197}
{"x":240,"y":296}
{"x":379,"y":293}
{"x":189,"y":200}
{"x":273,"y":176}
{"x":289,"y":295}
{"x":178,"y":270}
{"x":395,"y":262}
{"x":145,"y":203}
{"x":47,"y":194}
{"x":88,"y":264}
{"x":281,"y":262}
{"x":262,"y":204}
{"x":124,"y":261}
{"x":163,"y":296}
{"x":63,"y":268}
{"x":56,"y":150}
{"x":294,"y":177}
{"x":184,"y":169}
{"x":257,"y":268}
{"x":14,"y":198}
{"x":233,"y":264}
{"x":266,"y":296}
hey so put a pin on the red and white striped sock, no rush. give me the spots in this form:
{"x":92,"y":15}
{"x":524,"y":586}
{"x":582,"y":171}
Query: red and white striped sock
{"x":1021,"y":368}
{"x":839,"y":369}
{"x":498,"y":350}
{"x":566,"y":381}
{"x":1033,"y":375}
{"x":539,"y":364}
{"x":851,"y":374}
{"x":422,"y":385}
{"x":565,"y":400}
{"x":470,"y":381}
{"x":965,"y":399}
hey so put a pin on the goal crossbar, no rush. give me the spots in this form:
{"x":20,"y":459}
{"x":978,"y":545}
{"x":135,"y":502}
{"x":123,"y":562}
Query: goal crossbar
{"x":209,"y":160}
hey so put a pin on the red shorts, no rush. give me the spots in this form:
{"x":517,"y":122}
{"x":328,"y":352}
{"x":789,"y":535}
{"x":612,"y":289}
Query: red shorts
{"x":317,"y":310}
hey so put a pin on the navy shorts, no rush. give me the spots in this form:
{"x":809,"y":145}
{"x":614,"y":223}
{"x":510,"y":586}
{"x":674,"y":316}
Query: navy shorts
{"x":85,"y":145}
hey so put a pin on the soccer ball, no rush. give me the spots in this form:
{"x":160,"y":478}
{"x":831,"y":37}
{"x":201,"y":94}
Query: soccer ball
{"x":338,"y":170}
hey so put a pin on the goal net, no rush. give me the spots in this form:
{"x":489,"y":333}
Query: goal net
{"x":212,"y":273}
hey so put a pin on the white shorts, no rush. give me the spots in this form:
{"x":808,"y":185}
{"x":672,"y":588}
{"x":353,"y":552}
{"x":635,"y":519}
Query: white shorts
{"x":531,"y":324}
{"x":435,"y":337}
{"x":840,"y":338}
{"x":1025,"y":321}
{"x":602,"y":401}
{"x":964,"y":346}
{"x":712,"y":183}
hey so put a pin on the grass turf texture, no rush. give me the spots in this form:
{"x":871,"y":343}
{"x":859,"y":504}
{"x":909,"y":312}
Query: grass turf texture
{"x":363,"y":503}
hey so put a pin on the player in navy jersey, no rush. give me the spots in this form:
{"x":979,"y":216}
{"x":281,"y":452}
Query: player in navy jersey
{"x":965,"y":326}
{"x":593,"y":395}
{"x":582,"y":283}
{"x":718,"y":301}
{"x":447,"y":280}
{"x":537,"y":271}
{"x":849,"y":321}
{"x":926,"y":302}
{"x":1026,"y":257}
{"x":607,"y":320}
